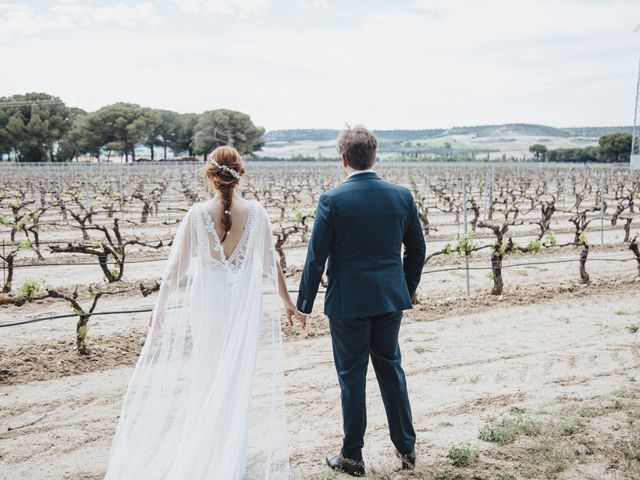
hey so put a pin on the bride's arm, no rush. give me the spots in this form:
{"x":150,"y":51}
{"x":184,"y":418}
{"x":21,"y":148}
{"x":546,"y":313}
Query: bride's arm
{"x":287,"y":301}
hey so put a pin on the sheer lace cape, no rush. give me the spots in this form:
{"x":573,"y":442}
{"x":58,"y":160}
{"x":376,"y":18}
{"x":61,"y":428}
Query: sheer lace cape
{"x":206,"y":398}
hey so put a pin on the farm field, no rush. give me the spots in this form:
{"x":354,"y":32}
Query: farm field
{"x":526,"y":368}
{"x":485,"y":142}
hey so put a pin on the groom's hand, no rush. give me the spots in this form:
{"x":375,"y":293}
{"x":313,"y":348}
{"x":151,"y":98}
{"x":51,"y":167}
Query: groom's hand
{"x":292,"y":311}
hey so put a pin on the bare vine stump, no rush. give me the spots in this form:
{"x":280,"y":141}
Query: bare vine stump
{"x":496,"y":268}
{"x":584,"y":276}
{"x":82,"y":335}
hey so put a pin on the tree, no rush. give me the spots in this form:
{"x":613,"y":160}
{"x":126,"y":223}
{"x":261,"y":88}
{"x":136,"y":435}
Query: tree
{"x":121,"y":126}
{"x":153,"y":134}
{"x":162,"y":127}
{"x":168,"y":129}
{"x":83,"y":138}
{"x":539,"y":152}
{"x":32,"y":126}
{"x":574,"y":155}
{"x":227,"y":127}
{"x":615,"y":147}
{"x":182,"y":138}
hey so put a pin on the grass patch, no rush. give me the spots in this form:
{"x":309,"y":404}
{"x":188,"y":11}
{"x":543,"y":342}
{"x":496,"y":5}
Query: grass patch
{"x":507,"y":430}
{"x":504,"y":476}
{"x":448,"y":476}
{"x":546,"y":445}
{"x":462,"y":456}
{"x":420,"y":350}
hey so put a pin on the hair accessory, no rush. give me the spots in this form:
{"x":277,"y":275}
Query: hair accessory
{"x":231,"y":171}
{"x":227,"y":212}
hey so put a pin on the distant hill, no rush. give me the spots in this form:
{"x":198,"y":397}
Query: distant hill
{"x":524,"y":129}
{"x":488,"y":142}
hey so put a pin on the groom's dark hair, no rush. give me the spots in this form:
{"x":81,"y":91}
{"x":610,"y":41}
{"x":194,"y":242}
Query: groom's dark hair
{"x":358,"y":146}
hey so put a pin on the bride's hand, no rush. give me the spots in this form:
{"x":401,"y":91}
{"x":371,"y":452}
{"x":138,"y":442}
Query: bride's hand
{"x":292,"y":311}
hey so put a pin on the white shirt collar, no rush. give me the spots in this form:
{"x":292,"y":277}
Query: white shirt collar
{"x":356,"y":172}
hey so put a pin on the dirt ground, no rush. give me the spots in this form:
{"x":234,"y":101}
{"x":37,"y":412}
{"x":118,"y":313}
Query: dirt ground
{"x":547,"y":351}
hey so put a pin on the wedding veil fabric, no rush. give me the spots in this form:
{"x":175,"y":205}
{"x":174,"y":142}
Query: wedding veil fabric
{"x":206,"y":400}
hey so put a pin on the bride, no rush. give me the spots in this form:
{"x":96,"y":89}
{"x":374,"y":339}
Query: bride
{"x":206,"y":399}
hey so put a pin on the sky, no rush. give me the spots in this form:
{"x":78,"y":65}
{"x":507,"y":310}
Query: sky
{"x":403,"y":64}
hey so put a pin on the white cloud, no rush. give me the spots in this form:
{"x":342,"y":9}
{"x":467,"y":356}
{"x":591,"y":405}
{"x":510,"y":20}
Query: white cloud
{"x":21,"y":19}
{"x":225,"y":7}
{"x":17,"y":18}
{"x":566,"y":62}
{"x":126,"y":15}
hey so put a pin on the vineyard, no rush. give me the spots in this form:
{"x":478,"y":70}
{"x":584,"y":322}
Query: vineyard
{"x":529,"y":298}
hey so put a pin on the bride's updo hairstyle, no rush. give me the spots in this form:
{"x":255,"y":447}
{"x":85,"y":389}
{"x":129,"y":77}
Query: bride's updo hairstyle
{"x":223,"y":172}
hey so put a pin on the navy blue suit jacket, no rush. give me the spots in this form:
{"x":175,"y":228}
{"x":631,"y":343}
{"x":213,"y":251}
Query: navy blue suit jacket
{"x":360,"y":227}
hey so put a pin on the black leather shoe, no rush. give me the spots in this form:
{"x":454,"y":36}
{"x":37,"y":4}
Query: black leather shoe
{"x":408,"y":461}
{"x":346,"y":465}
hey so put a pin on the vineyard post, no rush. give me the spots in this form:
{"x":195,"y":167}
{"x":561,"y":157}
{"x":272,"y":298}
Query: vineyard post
{"x":493,"y":179}
{"x":464,"y":211}
{"x":4,"y":265}
{"x":601,"y":209}
{"x":486,"y":196}
{"x":169,"y":201}
{"x":564,"y":191}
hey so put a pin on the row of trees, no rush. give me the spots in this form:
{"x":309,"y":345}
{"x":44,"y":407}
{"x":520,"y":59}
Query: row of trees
{"x":612,"y":148}
{"x":37,"y":127}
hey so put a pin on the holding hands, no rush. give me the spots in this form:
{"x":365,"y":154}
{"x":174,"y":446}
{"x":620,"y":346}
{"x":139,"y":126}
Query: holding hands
{"x":292,"y":312}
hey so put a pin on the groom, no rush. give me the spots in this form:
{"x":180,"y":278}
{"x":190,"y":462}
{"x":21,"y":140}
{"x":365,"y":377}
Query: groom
{"x":360,"y":228}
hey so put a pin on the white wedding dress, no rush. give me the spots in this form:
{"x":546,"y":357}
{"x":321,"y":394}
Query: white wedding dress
{"x":206,"y":400}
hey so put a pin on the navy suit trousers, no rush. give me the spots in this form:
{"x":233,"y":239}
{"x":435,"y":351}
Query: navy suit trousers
{"x":354,"y":340}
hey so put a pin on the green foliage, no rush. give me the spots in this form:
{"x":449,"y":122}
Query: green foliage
{"x":465,"y":246}
{"x":447,"y":249}
{"x":506,"y":248}
{"x":582,"y":238}
{"x":39,"y":127}
{"x":115,"y":271}
{"x":615,"y":147}
{"x":84,"y":137}
{"x":120,"y":126}
{"x":32,"y":125}
{"x":504,"y":476}
{"x":574,"y":155}
{"x":73,"y":308}
{"x":539,"y":151}
{"x":507,"y":430}
{"x":182,"y":138}
{"x":448,"y":476}
{"x":97,"y":246}
{"x":32,"y":288}
{"x":462,"y":456}
{"x":227,"y":127}
{"x":534,"y":246}
{"x":25,"y":244}
{"x":550,"y":240}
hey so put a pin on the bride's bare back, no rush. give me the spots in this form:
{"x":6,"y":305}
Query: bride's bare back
{"x":239,"y":216}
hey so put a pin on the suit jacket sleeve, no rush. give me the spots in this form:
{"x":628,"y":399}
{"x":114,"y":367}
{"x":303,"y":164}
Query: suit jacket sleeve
{"x":317,"y":253}
{"x":414,"y":250}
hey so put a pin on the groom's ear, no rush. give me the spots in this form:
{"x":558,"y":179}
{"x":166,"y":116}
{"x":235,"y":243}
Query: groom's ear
{"x":344,"y":162}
